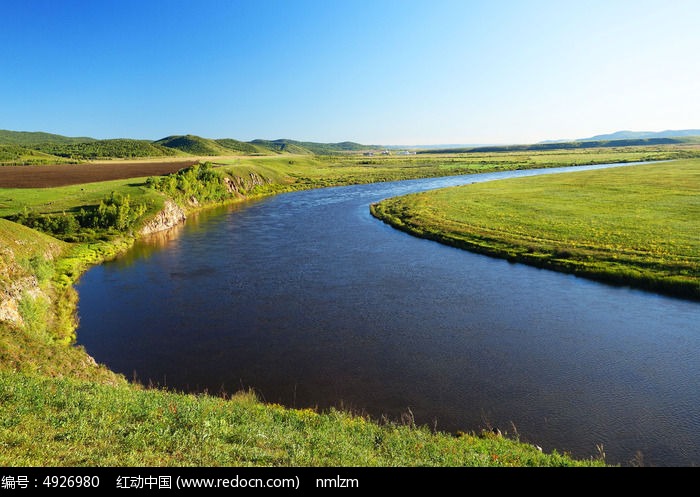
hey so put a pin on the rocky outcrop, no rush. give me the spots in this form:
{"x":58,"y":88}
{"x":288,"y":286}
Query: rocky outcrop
{"x":240,"y":185}
{"x":171,"y":215}
{"x":11,"y":295}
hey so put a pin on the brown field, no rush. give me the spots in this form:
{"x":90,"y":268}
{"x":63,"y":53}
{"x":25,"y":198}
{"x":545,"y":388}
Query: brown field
{"x":75,"y":174}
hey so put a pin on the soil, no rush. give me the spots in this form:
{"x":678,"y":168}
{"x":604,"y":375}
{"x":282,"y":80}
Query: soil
{"x":75,"y":174}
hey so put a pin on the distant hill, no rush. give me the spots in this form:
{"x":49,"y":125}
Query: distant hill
{"x":194,"y":145}
{"x":639,"y":135}
{"x":571,"y":145}
{"x":120,"y":148}
{"x":18,"y":155}
{"x":197,"y":145}
{"x":22,"y":147}
{"x":283,"y":146}
{"x":240,"y":147}
{"x":314,"y":148}
{"x":29,"y":138}
{"x":633,"y":135}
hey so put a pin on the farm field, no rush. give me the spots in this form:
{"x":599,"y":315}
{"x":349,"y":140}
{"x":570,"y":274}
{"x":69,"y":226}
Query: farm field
{"x":76,"y":174}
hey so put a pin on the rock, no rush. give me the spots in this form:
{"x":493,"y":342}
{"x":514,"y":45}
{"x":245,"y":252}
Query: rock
{"x":171,"y":215}
{"x":11,"y":295}
{"x":9,"y":312}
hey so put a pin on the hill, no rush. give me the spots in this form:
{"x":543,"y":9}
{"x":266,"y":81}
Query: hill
{"x":314,"y":148}
{"x":120,"y":148}
{"x":29,"y":138}
{"x":30,"y":148}
{"x":282,"y":146}
{"x":331,"y":148}
{"x":194,"y":145}
{"x":637,"y":135}
{"x":18,"y":155}
{"x":571,"y":145}
{"x":240,"y":147}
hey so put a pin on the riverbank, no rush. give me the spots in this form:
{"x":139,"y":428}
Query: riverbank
{"x":629,"y":226}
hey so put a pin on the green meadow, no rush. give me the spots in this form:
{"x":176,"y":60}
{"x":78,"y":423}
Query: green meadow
{"x":635,"y":226}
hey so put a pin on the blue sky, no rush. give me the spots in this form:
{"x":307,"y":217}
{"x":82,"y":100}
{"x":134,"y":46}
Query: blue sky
{"x":376,"y":72}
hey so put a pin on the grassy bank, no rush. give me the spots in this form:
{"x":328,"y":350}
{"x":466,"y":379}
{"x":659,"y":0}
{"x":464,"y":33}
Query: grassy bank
{"x":632,"y":226}
{"x":70,"y":422}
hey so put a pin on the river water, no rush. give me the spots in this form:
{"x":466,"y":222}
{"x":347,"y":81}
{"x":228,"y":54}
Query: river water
{"x":310,"y":301}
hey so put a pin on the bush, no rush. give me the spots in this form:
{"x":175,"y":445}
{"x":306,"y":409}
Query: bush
{"x":201,"y":181}
{"x":115,"y":212}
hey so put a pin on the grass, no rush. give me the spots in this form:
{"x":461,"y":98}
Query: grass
{"x":21,"y":248}
{"x":28,"y":259}
{"x":70,"y":198}
{"x":300,"y":172}
{"x":635,"y":226}
{"x":69,"y":422}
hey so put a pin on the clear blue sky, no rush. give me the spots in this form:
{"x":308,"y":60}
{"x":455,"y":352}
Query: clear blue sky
{"x":375,"y":71}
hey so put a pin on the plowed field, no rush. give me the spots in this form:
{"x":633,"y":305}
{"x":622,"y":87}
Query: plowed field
{"x":74,"y":174}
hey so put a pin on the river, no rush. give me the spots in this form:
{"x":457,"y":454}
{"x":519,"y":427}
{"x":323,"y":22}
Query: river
{"x":310,"y":301}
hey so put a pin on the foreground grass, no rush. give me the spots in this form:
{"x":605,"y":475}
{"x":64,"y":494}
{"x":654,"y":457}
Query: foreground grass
{"x":638,"y":225}
{"x":68,"y":422}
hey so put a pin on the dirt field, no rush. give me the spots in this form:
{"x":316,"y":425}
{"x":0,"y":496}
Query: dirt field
{"x":69,"y":174}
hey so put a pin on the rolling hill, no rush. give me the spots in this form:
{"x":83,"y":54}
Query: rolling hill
{"x":29,"y":138}
{"x":194,"y":145}
{"x":120,"y":148}
{"x":642,"y":135}
{"x":24,"y":147}
{"x":240,"y":147}
{"x":18,"y":155}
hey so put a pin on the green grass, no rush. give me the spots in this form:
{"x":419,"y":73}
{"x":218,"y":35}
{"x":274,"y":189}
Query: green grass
{"x":68,"y":422}
{"x":636,"y":226}
{"x":69,"y":198}
{"x":309,"y":171}
{"x":21,"y":250}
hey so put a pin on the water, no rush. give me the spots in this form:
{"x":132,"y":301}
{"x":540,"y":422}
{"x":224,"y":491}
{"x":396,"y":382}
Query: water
{"x":310,"y":301}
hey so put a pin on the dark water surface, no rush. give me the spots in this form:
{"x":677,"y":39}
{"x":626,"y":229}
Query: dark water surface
{"x":312,"y":302}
